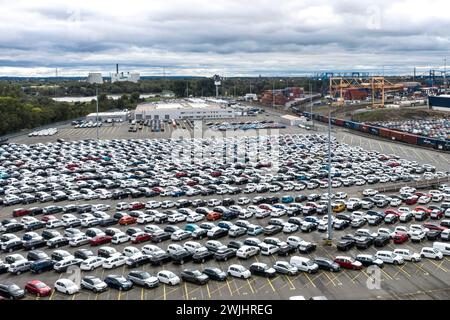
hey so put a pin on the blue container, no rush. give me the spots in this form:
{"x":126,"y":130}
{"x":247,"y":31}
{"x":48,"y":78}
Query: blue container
{"x":348,"y":124}
{"x":427,"y":142}
{"x":356,"y":125}
{"x":374,"y":131}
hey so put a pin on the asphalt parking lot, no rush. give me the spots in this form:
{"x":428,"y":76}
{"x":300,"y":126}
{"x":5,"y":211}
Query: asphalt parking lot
{"x":427,"y":279}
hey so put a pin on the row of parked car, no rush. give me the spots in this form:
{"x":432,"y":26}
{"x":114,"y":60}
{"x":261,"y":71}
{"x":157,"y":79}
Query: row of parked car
{"x":117,"y":169}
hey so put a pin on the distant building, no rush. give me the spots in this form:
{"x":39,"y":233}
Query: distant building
{"x":121,"y":77}
{"x":95,"y":78}
{"x":183,"y":109}
{"x":105,"y":116}
{"x":251,"y":97}
{"x":167,"y":94}
{"x":441,"y":103}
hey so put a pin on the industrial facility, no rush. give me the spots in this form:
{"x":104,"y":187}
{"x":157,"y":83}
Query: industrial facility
{"x":280,"y":97}
{"x":121,"y":77}
{"x":183,"y":109}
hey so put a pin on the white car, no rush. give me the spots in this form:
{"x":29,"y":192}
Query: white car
{"x":130,"y":251}
{"x":180,"y":235}
{"x":195,"y":217}
{"x":246,"y":252}
{"x":145,"y":218}
{"x":390,"y":257}
{"x":192,"y":246}
{"x":417,"y":235}
{"x":369,"y":192}
{"x":294,"y":241}
{"x":424,"y":199}
{"x":431,"y":253}
{"x":79,"y":241}
{"x":245,"y":214}
{"x":214,"y":202}
{"x":168,"y":277}
{"x":114,"y":262}
{"x":304,"y":264}
{"x":341,"y":195}
{"x":153,"y":204}
{"x":151,"y":249}
{"x":176,"y":217}
{"x":289,"y":227}
{"x":395,"y":202}
{"x":243,"y":201}
{"x":119,"y":238}
{"x":92,"y":263}
{"x":238,"y":271}
{"x":66,"y":286}
{"x":408,"y":255}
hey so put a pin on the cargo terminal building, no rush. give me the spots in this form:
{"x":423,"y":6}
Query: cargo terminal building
{"x":440,"y":103}
{"x":193,"y":110}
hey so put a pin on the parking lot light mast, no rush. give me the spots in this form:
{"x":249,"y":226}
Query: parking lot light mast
{"x":96,"y":93}
{"x":330,"y":230}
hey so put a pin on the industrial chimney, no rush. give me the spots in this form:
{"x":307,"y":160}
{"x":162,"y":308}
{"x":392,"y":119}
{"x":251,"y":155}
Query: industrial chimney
{"x":117,"y":68}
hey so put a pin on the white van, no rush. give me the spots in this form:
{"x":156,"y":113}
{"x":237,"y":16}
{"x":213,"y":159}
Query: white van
{"x":304,"y":264}
{"x":120,"y":238}
{"x":442,"y":247}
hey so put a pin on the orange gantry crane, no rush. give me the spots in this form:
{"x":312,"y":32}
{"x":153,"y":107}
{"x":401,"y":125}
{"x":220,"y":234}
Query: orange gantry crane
{"x":374,"y":84}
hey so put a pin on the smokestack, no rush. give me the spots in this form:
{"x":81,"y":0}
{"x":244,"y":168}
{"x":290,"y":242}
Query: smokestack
{"x":117,"y":68}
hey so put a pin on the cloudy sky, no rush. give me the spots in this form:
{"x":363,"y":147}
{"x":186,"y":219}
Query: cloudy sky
{"x":197,"y":37}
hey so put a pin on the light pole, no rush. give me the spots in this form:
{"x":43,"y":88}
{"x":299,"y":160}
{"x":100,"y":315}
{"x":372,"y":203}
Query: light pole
{"x":330,"y":230}
{"x":96,"y":93}
{"x":311,"y":102}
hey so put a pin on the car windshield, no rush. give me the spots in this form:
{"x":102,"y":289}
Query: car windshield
{"x":144,"y":275}
{"x":96,"y":281}
{"x":40,"y":285}
{"x":196,"y":273}
{"x":310,"y":263}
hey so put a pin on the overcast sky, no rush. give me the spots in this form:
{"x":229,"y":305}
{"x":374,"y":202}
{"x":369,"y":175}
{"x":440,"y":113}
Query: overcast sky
{"x":233,"y":38}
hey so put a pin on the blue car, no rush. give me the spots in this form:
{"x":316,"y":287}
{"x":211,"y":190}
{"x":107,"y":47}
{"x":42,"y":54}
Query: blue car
{"x":191,"y":227}
{"x":287,"y":199}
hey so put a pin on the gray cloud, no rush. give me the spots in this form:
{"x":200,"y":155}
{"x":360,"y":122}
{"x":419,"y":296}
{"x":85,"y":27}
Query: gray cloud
{"x":233,"y":37}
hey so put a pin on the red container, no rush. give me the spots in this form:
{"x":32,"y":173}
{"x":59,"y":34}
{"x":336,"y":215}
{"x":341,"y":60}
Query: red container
{"x":339,"y":122}
{"x":409,"y":138}
{"x":397,"y":135}
{"x":364,"y":128}
{"x":385,"y":133}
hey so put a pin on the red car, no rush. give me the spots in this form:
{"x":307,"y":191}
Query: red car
{"x":390,"y":211}
{"x":158,"y":189}
{"x":431,"y":226}
{"x":213,"y":216}
{"x":265,"y":207}
{"x":99,"y":240}
{"x":20,"y":212}
{"x":412,"y":200}
{"x":348,"y":263}
{"x":126,"y":220}
{"x":137,"y":205}
{"x":38,"y":288}
{"x":216,"y":174}
{"x":400,"y":238}
{"x":48,"y":218}
{"x":142,"y":237}
{"x":181,"y":174}
{"x":422,"y":208}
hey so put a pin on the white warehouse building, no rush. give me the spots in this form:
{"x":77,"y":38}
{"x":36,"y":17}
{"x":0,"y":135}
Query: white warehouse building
{"x":184,"y":109}
{"x":108,"y":116}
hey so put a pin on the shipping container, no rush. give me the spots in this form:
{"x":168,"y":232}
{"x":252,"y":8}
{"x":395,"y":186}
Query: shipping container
{"x":385,"y":133}
{"x":426,"y":142}
{"x":320,"y":118}
{"x":339,"y":122}
{"x":356,"y":126}
{"x":409,"y":138}
{"x":374,"y":130}
{"x":397,"y":135}
{"x":443,"y":145}
{"x":348,"y":124}
{"x":333,"y":120}
{"x":364,"y":128}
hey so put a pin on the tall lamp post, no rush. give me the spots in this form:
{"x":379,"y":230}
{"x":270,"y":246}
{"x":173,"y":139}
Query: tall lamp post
{"x":329,"y":239}
{"x":96,"y":93}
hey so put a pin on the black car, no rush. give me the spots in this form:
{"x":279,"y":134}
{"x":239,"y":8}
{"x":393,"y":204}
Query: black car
{"x":33,"y":244}
{"x":218,"y":233}
{"x":369,"y":260}
{"x":158,"y":259}
{"x":344,"y":217}
{"x":300,"y":198}
{"x":194,"y":276}
{"x":272,"y":229}
{"x":286,"y":250}
{"x":377,"y":221}
{"x":12,"y":246}
{"x":83,"y":254}
{"x":36,"y":255}
{"x":228,"y":202}
{"x":119,"y":194}
{"x":49,"y":234}
{"x":138,"y":260}
{"x":261,"y":269}
{"x":224,"y":254}
{"x":433,"y":235}
{"x":13,"y":227}
{"x":327,"y":264}
{"x":345,"y":245}
{"x":3,"y":268}
{"x":84,"y":208}
{"x":42,"y":265}
{"x":35,"y":211}
{"x":11,"y":291}
{"x":199,"y":234}
{"x":35,"y":225}
{"x":160,"y":236}
{"x":235,"y":244}
{"x":381,"y":241}
{"x":132,"y":230}
{"x":200,"y":256}
{"x":215,"y":274}
{"x":364,"y":242}
{"x":118,"y":282}
{"x":108,"y":222}
{"x":181,"y":257}
{"x":171,"y":229}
